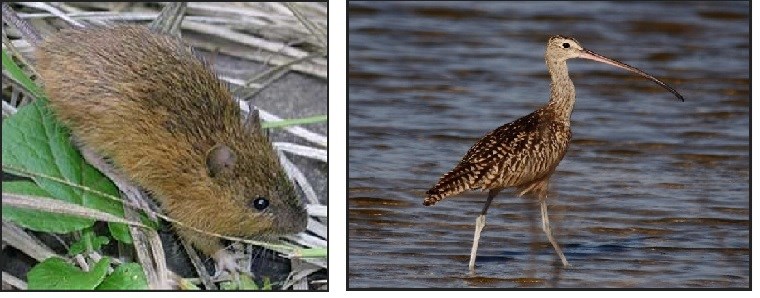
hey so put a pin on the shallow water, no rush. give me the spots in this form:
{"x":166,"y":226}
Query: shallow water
{"x":653,"y":192}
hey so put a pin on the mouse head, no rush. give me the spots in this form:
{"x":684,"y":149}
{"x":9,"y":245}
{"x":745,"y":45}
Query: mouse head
{"x":263,"y":200}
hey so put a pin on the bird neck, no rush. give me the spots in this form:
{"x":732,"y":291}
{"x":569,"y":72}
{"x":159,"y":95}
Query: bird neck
{"x":562,"y":97}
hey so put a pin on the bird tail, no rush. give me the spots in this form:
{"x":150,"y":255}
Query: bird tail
{"x":456,"y":181}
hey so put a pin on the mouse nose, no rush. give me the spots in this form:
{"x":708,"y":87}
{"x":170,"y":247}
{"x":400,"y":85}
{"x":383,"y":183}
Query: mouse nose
{"x":298,"y":223}
{"x":293,"y":221}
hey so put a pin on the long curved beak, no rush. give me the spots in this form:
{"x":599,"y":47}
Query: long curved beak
{"x":587,"y":54}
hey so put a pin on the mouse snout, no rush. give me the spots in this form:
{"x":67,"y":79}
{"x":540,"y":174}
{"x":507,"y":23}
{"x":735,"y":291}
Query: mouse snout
{"x":296,"y":219}
{"x":289,"y":212}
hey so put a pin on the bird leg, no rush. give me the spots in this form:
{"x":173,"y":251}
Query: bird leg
{"x":480,"y":222}
{"x":548,"y":230}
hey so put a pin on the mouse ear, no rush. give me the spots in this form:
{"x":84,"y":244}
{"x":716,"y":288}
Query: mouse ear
{"x":220,"y":159}
{"x":253,"y":122}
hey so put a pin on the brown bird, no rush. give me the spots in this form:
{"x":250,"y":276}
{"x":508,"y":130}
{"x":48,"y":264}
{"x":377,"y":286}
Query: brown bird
{"x":523,"y":154}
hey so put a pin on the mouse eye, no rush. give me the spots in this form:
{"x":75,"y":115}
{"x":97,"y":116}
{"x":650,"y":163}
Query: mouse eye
{"x":565,"y":45}
{"x":259,"y":203}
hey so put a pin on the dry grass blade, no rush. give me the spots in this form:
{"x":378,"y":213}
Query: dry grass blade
{"x":147,"y":255}
{"x":28,"y":244}
{"x":317,"y":210}
{"x":162,"y":271}
{"x":318,"y":34}
{"x":301,"y":271}
{"x":13,"y":19}
{"x":306,"y":134}
{"x":7,"y":44}
{"x":316,"y":67}
{"x":308,"y":240}
{"x":170,"y":18}
{"x":9,"y":109}
{"x":198,"y":266}
{"x":61,"y":207}
{"x":299,"y":177}
{"x":13,"y":281}
{"x":54,"y":11}
{"x":305,"y":151}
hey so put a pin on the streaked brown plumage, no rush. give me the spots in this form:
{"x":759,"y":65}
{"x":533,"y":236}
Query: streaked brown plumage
{"x":524,"y":153}
{"x":518,"y":154}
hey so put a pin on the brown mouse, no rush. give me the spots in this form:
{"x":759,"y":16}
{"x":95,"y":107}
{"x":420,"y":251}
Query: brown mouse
{"x":145,"y":102}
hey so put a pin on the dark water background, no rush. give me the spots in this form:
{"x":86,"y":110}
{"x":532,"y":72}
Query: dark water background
{"x":653,"y":192}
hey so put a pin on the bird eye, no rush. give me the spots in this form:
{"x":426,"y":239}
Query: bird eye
{"x":565,"y":45}
{"x":259,"y":203}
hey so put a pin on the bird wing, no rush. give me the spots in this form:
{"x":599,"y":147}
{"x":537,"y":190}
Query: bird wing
{"x":506,"y":146}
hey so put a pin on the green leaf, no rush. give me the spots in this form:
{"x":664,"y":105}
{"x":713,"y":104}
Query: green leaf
{"x":312,"y":253}
{"x":38,"y":146}
{"x":267,"y":284}
{"x":120,"y":232}
{"x":186,"y":285}
{"x":245,"y":284}
{"x":55,"y":274}
{"x":88,"y":239}
{"x":290,"y":122}
{"x":38,"y":220}
{"x":129,"y":276}
{"x":15,"y":72}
